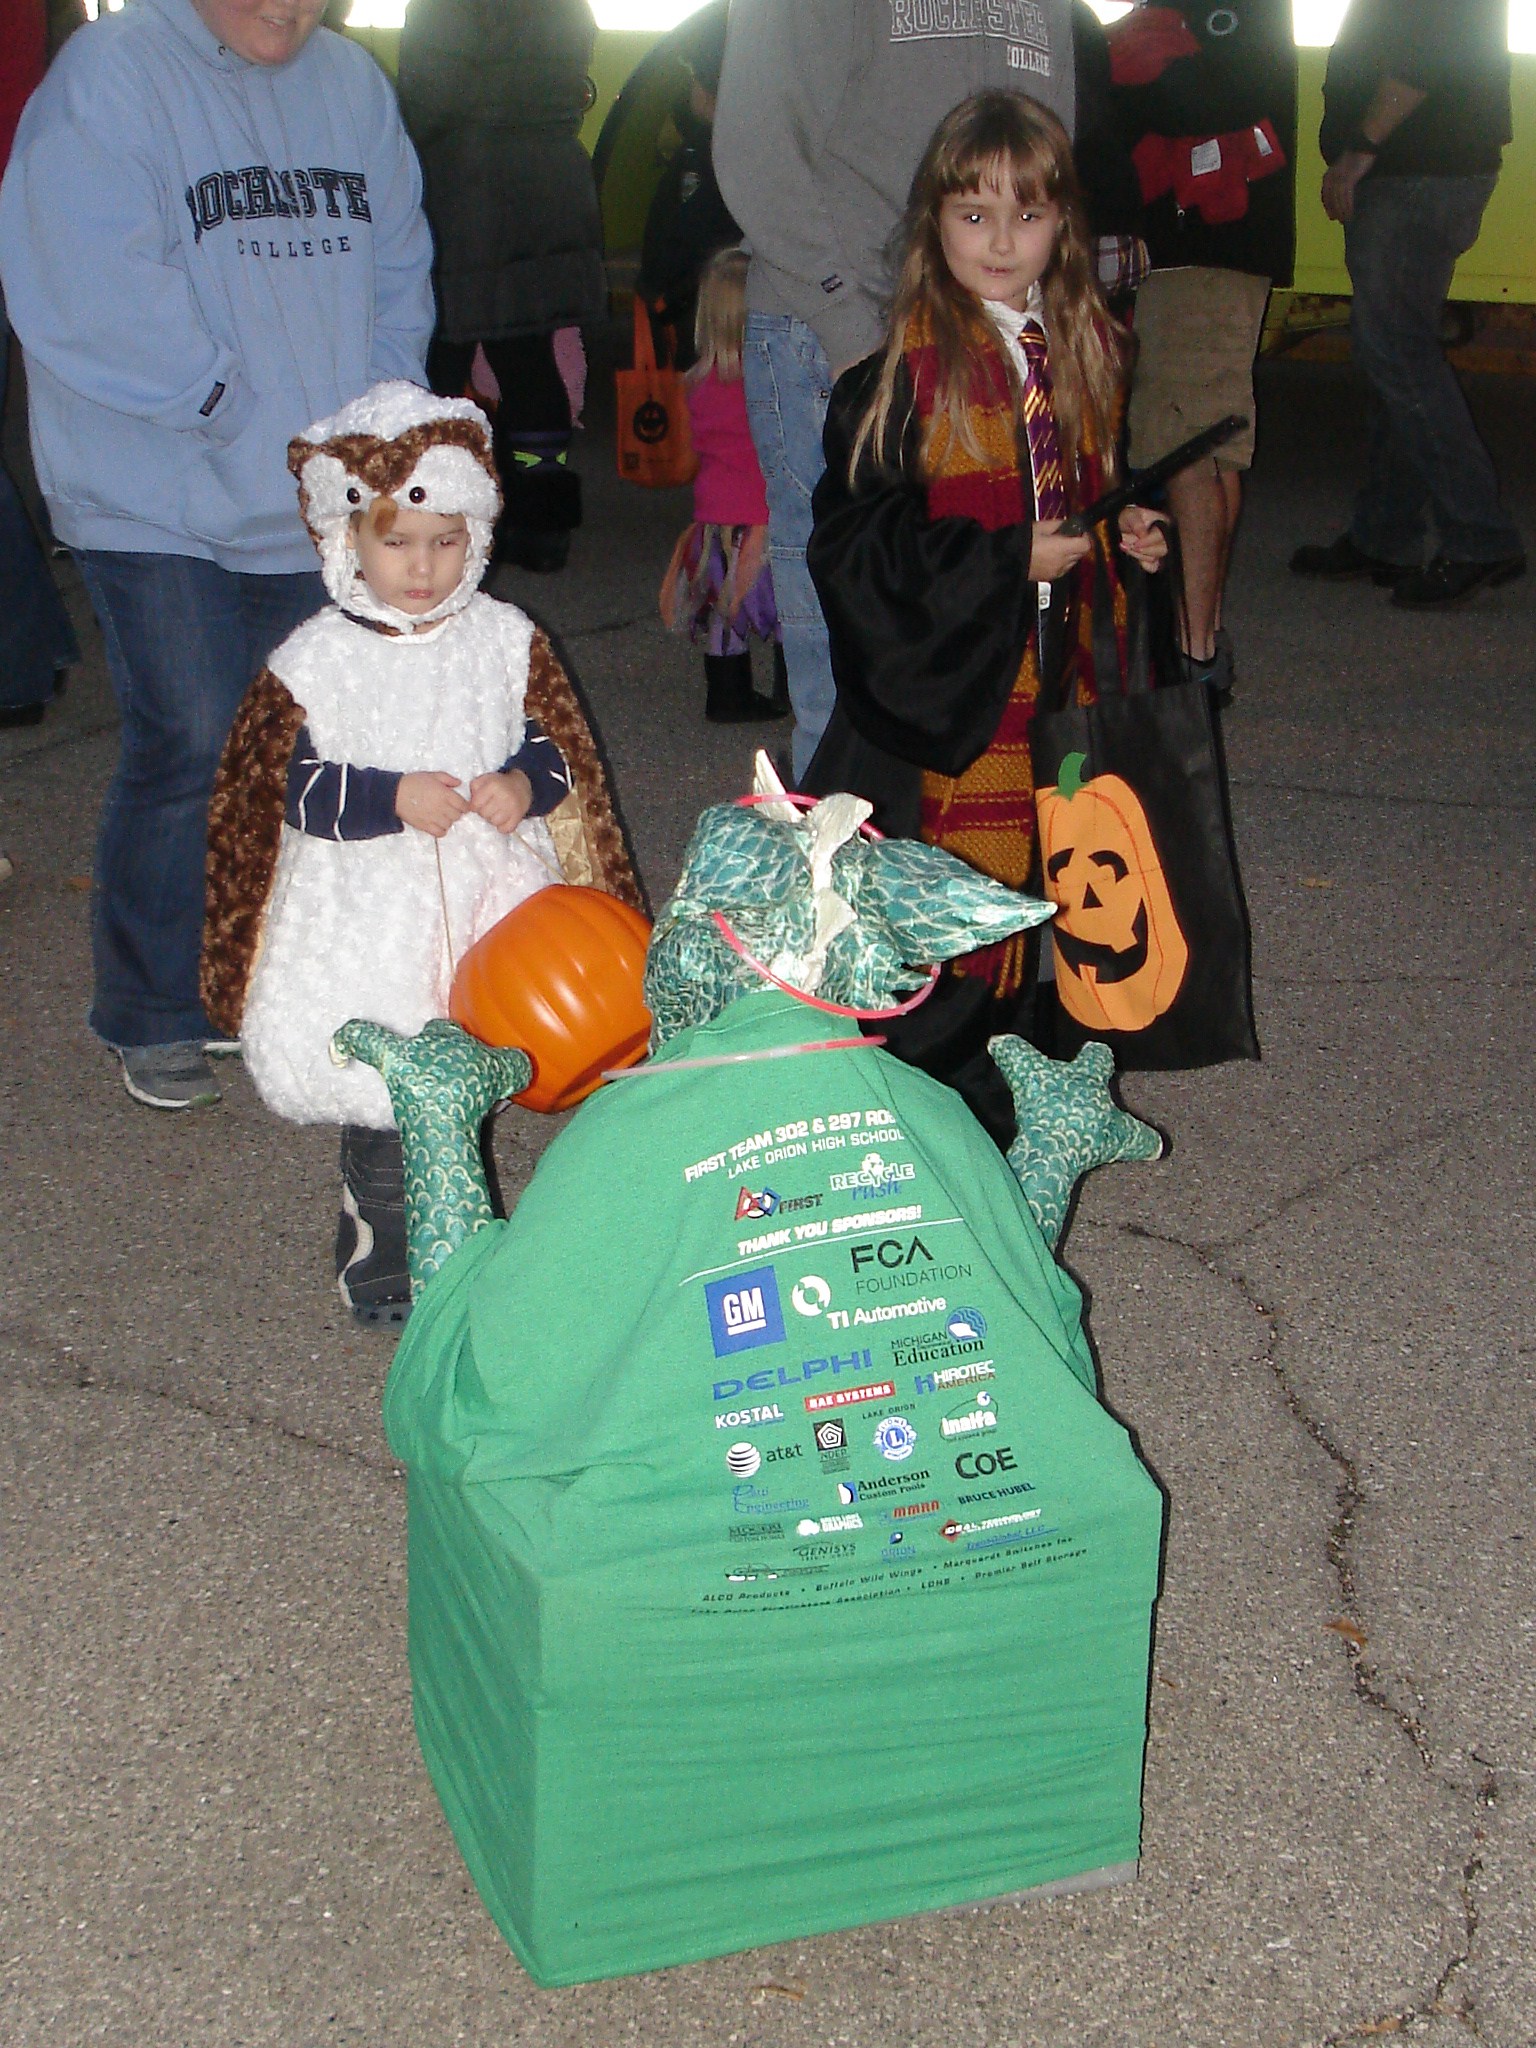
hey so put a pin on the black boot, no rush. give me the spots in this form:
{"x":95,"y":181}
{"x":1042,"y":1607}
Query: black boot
{"x":779,"y":696}
{"x":731,"y":699}
{"x":371,"y":1269}
{"x":542,"y":503}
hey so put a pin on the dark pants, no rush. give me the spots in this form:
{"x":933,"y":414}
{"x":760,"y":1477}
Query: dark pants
{"x":184,"y":641}
{"x":534,"y":407}
{"x":1426,"y":462}
{"x":36,"y":638}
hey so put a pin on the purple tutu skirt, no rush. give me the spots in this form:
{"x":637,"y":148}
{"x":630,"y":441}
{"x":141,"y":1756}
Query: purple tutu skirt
{"x":718,"y":588}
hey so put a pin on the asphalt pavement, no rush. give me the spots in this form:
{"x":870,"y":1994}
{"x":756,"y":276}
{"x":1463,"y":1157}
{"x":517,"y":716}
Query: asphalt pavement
{"x":1315,"y":1314}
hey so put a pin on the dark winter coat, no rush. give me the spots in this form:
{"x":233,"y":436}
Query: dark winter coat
{"x":493,"y":93}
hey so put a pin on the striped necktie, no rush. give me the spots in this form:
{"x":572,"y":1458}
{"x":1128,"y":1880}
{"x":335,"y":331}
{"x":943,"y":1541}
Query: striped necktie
{"x":1040,"y":425}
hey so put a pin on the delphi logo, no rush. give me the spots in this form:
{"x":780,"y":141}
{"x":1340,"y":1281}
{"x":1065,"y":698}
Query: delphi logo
{"x":744,"y":1311}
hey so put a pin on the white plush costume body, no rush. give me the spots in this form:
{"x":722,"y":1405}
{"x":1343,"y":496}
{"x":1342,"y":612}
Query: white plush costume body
{"x":373,"y":928}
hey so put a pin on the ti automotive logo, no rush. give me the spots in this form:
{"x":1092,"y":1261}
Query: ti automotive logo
{"x":744,"y":1311}
{"x":811,"y":1296}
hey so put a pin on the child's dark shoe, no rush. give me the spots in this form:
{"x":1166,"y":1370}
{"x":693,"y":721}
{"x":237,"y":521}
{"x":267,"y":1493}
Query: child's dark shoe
{"x":372,"y":1275}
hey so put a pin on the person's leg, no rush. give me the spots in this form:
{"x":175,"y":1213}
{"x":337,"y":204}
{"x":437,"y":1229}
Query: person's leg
{"x":532,"y":442}
{"x":788,"y":383}
{"x":1198,"y":332}
{"x":1401,"y":248}
{"x":372,"y":1274}
{"x":36,"y":637}
{"x":183,"y":641}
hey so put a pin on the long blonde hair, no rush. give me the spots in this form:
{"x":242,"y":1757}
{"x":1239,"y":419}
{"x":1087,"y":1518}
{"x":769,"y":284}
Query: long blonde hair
{"x":1002,"y":138}
{"x":720,"y":318}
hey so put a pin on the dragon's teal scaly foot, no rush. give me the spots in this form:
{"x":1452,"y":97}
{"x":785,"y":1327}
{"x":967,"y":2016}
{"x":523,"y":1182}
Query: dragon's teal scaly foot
{"x":442,"y":1085}
{"x":1068,"y":1124}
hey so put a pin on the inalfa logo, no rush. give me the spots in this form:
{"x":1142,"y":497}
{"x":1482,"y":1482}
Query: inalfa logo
{"x":744,"y":1311}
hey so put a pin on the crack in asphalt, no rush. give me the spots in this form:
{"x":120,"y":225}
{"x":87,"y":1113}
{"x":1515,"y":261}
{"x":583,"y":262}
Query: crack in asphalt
{"x":84,"y":1379}
{"x":1371,"y":1686}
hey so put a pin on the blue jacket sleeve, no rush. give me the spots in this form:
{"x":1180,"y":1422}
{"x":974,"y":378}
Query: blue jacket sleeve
{"x":544,"y":765}
{"x":334,"y":800}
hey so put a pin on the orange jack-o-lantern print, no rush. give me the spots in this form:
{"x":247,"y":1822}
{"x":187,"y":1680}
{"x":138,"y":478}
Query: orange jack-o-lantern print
{"x":1121,"y":956}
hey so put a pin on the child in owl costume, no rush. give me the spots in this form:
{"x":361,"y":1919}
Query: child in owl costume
{"x":411,"y":765}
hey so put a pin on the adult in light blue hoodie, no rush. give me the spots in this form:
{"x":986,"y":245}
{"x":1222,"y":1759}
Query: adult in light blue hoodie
{"x":210,"y":236}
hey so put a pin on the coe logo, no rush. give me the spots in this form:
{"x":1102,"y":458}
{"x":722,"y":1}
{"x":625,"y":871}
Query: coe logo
{"x":744,"y":1311}
{"x":889,"y":1252}
{"x":982,"y":1464}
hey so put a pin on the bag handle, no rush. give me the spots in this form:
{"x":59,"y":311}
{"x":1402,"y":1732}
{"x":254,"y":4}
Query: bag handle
{"x":645,"y":349}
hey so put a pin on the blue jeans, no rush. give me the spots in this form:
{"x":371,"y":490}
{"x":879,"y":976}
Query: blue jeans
{"x":1425,"y":459}
{"x":36,"y":638}
{"x":184,"y":641}
{"x":788,"y":382}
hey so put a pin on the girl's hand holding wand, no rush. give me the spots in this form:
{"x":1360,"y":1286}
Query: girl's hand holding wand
{"x":1052,"y":552}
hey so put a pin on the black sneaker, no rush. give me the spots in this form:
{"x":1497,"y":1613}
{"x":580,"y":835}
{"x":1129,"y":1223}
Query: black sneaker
{"x":372,"y":1274}
{"x":1341,"y":558}
{"x":174,"y":1076}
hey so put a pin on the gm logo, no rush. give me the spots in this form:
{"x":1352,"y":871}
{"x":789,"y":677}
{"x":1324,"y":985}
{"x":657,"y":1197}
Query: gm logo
{"x":744,"y":1311}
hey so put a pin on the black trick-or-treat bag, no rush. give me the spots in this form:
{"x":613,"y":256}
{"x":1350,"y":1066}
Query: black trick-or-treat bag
{"x":1151,"y":935}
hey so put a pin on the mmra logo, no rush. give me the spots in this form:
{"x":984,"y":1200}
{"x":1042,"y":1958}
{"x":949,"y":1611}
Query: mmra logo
{"x":744,"y":1311}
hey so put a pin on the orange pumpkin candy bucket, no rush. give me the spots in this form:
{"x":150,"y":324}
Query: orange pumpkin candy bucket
{"x":559,"y":977}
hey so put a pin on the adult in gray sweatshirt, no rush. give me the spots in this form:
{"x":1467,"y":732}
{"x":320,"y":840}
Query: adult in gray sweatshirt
{"x":825,"y":107}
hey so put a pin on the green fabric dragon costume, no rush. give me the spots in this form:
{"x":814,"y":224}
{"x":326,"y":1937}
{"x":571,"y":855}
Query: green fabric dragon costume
{"x":773,"y":1564}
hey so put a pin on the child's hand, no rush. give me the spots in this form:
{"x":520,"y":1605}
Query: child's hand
{"x":501,"y":799}
{"x":1142,"y":536}
{"x":430,"y":800}
{"x":1052,"y":552}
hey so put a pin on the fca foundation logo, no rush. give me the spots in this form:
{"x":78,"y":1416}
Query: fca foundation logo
{"x":744,"y":1311}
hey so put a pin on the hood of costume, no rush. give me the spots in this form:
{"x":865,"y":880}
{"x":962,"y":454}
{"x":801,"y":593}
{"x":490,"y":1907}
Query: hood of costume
{"x":424,"y":454}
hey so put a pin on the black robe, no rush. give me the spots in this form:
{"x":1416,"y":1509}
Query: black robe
{"x":929,"y":621}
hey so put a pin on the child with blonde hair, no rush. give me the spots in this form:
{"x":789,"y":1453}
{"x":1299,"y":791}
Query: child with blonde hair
{"x":718,"y":587}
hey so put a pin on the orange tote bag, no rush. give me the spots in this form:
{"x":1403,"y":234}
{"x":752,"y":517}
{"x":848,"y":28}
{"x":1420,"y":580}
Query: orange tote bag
{"x":654,"y":443}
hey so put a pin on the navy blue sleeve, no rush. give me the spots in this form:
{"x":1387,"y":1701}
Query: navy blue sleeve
{"x":544,"y":765}
{"x":334,"y":800}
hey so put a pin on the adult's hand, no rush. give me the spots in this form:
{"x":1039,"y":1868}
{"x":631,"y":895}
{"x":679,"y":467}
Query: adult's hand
{"x":1340,"y":180}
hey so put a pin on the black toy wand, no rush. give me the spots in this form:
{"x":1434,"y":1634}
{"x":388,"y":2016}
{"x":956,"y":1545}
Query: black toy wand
{"x":1147,"y":480}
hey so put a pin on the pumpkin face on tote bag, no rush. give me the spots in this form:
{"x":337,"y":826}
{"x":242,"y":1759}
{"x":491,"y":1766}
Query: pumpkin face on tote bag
{"x":1121,"y":954}
{"x":1151,"y":931}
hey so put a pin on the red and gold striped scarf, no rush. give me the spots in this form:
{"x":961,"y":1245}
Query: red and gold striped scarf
{"x":986,"y":816}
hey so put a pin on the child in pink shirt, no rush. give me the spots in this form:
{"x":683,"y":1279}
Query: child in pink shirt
{"x":718,"y":587}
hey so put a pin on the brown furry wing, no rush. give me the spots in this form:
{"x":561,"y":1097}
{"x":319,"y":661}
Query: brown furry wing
{"x":588,"y":832}
{"x":245,"y":824}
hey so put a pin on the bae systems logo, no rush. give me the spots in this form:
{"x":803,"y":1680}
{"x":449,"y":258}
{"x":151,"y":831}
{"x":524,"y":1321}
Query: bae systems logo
{"x":744,"y":1312}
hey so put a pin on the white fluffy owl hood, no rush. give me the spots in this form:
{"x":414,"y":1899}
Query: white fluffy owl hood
{"x":399,"y":442}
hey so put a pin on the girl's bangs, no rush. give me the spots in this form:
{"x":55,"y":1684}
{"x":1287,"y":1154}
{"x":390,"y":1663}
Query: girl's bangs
{"x":971,"y":170}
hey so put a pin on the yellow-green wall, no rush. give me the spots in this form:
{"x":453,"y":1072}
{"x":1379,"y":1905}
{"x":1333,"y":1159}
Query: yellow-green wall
{"x":1501,"y":267}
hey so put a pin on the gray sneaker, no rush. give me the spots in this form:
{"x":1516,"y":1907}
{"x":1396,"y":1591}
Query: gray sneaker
{"x":174,"y":1076}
